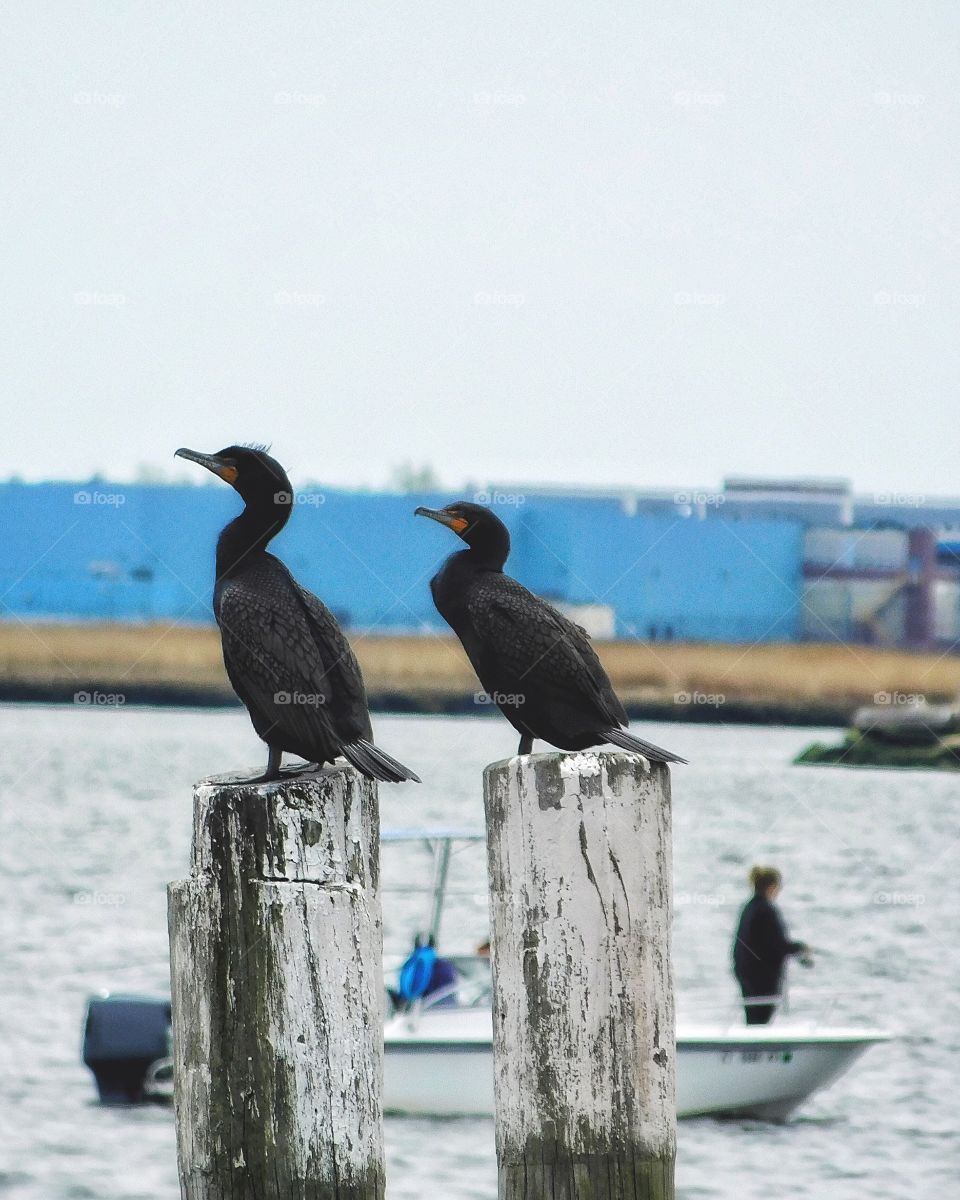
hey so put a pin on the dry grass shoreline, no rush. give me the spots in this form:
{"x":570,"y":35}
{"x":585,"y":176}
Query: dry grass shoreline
{"x":165,"y":663}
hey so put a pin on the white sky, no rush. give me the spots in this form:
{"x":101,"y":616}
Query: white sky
{"x":647,"y":244}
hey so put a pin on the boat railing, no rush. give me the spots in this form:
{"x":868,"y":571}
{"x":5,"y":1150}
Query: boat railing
{"x":806,"y":1003}
{"x":814,"y":1007}
{"x":465,"y":993}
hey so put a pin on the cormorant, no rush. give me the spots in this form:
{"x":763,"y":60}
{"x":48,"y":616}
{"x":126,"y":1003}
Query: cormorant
{"x":537,"y":666}
{"x":284,"y":652}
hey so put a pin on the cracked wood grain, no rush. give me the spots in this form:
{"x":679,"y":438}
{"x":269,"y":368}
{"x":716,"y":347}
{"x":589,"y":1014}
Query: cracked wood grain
{"x":276,"y":966}
{"x":580,"y":895}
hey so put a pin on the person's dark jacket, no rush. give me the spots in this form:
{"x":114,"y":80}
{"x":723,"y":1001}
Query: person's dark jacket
{"x":761,"y":947}
{"x":443,"y":975}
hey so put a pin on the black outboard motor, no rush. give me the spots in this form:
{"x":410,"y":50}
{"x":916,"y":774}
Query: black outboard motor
{"x":122,"y":1036}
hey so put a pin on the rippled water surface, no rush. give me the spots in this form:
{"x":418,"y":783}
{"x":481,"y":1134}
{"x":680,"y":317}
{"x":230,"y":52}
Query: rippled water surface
{"x":95,"y":819}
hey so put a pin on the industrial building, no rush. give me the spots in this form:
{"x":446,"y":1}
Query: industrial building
{"x":753,"y":561}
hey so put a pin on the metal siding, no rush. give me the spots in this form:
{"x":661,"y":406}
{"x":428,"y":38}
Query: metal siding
{"x":150,"y":556}
{"x":852,"y":549}
{"x":946,"y":602}
{"x":681,"y":577}
{"x":826,"y":611}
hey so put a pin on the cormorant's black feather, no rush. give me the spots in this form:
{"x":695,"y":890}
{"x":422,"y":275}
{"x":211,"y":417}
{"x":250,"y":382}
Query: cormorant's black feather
{"x":284,"y":652}
{"x":626,"y":741}
{"x":371,"y":761}
{"x":534,"y":663}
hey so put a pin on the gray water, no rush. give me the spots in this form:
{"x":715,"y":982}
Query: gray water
{"x":95,"y":819}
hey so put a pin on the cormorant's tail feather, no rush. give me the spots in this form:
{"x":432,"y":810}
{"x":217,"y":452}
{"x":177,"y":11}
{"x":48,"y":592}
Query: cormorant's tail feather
{"x":375,"y":763}
{"x":626,"y":741}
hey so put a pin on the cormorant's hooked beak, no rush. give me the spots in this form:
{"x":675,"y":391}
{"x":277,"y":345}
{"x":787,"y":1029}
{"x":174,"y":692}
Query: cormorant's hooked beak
{"x":457,"y":524}
{"x":219,"y":466}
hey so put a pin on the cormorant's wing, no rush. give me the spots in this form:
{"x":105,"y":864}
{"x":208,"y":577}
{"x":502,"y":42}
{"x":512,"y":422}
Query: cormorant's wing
{"x":541,"y":647}
{"x":274,"y":663}
{"x":352,"y":717}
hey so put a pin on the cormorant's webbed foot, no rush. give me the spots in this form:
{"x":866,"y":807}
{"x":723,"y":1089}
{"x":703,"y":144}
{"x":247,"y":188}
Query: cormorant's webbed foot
{"x":275,"y":772}
{"x":299,"y":769}
{"x":272,"y":772}
{"x":526,"y":744}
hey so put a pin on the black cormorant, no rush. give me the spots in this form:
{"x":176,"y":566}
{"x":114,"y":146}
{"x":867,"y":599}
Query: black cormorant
{"x":284,"y":652}
{"x":537,"y":666}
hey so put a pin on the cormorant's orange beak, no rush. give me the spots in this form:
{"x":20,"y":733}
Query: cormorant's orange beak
{"x":457,"y":524}
{"x":219,"y":466}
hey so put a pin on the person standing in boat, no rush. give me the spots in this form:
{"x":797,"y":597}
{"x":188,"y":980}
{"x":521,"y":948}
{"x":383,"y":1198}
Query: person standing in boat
{"x":423,"y":974}
{"x":762,"y":946}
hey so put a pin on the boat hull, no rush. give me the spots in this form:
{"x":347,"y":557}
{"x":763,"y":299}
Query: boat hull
{"x":439,"y":1063}
{"x":766,"y":1076}
{"x":768,"y":1081}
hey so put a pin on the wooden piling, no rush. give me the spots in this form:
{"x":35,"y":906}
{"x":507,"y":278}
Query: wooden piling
{"x":276,"y":964}
{"x":580,"y":899}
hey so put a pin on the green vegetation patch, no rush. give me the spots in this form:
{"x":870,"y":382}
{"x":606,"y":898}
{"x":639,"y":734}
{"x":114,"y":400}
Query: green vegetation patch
{"x":868,"y":750}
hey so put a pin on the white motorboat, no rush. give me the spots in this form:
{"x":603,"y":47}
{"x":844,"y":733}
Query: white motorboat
{"x":439,"y":1055}
{"x":439,"y":1060}
{"x":439,"y":1052}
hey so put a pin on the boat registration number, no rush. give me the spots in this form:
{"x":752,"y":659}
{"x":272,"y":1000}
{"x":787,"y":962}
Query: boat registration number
{"x":757,"y":1056}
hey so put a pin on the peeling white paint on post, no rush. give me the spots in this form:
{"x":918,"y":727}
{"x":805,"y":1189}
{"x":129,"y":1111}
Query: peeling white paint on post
{"x":580,"y":902}
{"x":277,"y":972}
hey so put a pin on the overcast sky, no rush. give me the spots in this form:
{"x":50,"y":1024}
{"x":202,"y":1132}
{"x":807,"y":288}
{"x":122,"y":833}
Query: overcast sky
{"x":645,"y":244}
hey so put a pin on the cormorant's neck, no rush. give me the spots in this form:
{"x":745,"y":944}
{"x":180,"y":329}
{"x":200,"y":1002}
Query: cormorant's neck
{"x":491,"y":554}
{"x":249,"y":535}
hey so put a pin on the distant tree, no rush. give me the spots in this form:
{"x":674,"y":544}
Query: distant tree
{"x":408,"y":478}
{"x":150,"y":473}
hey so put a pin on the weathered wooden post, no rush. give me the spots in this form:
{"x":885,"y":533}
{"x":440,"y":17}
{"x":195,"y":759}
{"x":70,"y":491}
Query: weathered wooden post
{"x":580,"y":900}
{"x":276,"y":964}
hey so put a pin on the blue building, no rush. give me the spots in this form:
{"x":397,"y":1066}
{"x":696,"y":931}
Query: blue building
{"x":139,"y":552}
{"x":666,"y":577}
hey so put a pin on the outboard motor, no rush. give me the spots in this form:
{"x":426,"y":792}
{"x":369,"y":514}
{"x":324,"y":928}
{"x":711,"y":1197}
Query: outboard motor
{"x":122,"y":1036}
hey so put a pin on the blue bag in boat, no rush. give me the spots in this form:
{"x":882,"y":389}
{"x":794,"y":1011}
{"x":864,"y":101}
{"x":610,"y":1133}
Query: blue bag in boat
{"x":415,"y":973}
